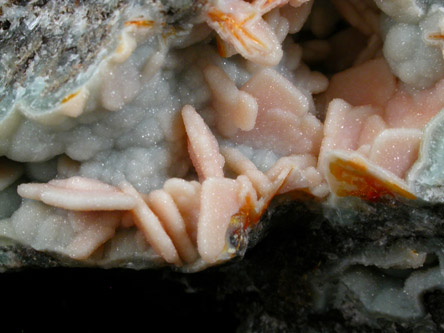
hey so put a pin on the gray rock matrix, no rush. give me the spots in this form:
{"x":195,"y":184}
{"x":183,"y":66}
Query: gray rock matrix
{"x":335,"y":275}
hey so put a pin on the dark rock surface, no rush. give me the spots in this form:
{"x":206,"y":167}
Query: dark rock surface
{"x":267,"y":291}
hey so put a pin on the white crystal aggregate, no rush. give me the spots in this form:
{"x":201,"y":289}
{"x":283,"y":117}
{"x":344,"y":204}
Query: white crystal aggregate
{"x":411,"y":51}
{"x":404,"y":11}
{"x":182,"y":140}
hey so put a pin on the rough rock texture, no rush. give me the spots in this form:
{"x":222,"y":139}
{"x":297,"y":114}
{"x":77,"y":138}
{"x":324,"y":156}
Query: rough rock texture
{"x":345,"y":265}
{"x":61,"y":43}
{"x":268,"y":291}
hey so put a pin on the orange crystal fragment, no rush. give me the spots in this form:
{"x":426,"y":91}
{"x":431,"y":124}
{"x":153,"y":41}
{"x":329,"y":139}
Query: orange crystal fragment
{"x":355,"y":179}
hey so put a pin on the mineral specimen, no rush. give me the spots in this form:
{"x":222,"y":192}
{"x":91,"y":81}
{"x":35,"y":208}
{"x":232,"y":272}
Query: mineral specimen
{"x":141,"y":134}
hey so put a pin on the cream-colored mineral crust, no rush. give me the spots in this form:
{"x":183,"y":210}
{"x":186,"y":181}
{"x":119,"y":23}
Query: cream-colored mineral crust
{"x":241,"y":25}
{"x":152,"y":229}
{"x":93,"y":230}
{"x":202,"y":145}
{"x":219,"y":201}
{"x":78,"y":193}
{"x":236,"y":109}
{"x":283,"y":124}
{"x":164,"y":207}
